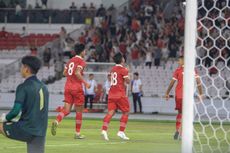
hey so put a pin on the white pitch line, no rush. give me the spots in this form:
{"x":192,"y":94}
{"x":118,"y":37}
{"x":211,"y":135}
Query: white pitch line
{"x":67,"y":145}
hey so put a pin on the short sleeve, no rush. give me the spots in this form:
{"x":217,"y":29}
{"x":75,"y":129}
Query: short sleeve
{"x":125,"y":73}
{"x":175,"y":75}
{"x":20,"y":94}
{"x":81,"y":64}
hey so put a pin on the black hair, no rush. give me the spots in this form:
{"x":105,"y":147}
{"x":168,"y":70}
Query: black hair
{"x":117,"y":58}
{"x":32,"y":62}
{"x":136,"y":73}
{"x":91,"y":74}
{"x":181,"y":57}
{"x":79,"y":48}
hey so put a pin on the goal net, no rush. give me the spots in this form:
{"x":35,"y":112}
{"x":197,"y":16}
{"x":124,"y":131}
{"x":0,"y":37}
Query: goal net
{"x":211,"y":128}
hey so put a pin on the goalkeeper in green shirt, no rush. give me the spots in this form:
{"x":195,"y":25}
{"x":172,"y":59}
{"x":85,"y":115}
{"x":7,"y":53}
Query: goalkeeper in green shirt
{"x":32,"y":101}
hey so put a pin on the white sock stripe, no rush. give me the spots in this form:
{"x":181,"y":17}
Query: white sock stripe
{"x":78,"y":121}
{"x":122,"y":124}
{"x":105,"y":124}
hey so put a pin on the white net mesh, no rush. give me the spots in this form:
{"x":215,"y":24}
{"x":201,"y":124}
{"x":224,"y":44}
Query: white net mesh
{"x":212,"y":116}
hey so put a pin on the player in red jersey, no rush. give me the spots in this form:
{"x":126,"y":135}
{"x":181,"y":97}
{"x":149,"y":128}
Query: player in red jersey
{"x":178,"y":76}
{"x":73,"y":94}
{"x":117,"y":98}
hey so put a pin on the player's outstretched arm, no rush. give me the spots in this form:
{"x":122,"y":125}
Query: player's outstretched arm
{"x":80,"y":77}
{"x":199,"y":87}
{"x":64,"y":72}
{"x":169,"y":89}
{"x":127,"y":80}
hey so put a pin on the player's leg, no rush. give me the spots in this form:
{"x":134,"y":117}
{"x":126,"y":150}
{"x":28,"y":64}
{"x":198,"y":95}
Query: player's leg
{"x":13,"y":131}
{"x":178,"y":118}
{"x":111,"y":111}
{"x":64,"y":112}
{"x":36,"y":145}
{"x":78,"y":118}
{"x":139,"y":103}
{"x":134,"y":102}
{"x":91,"y":101}
{"x":79,"y":104}
{"x":86,"y":101}
{"x":1,"y":129}
{"x":123,"y":105}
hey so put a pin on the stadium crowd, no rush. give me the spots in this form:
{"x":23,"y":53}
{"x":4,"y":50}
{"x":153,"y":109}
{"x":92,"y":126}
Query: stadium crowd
{"x":144,"y":32}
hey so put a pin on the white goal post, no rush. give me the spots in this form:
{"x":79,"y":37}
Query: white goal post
{"x":206,"y":124}
{"x":189,"y":66}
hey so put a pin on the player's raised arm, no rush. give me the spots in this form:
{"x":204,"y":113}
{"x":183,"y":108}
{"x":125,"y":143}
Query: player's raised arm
{"x":169,"y":88}
{"x":65,"y":71}
{"x":199,"y":87}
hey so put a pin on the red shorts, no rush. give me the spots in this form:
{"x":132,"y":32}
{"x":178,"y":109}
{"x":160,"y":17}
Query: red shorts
{"x":74,"y":97}
{"x":121,"y":104}
{"x":178,"y":104}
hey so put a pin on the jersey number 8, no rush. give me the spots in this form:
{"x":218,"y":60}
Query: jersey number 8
{"x":70,"y":68}
{"x":113,"y":78}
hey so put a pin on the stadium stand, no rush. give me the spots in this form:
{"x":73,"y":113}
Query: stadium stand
{"x":132,"y":31}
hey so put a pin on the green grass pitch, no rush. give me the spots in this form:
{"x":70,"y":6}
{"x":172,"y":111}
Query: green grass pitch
{"x":146,"y":137}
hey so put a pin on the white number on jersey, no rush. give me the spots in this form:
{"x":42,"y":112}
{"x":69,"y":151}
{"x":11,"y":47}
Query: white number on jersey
{"x":70,"y":68}
{"x":113,"y":78}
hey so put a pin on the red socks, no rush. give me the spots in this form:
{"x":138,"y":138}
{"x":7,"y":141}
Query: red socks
{"x":123,"y":122}
{"x":61,"y":115}
{"x":78,"y":121}
{"x":178,"y":122}
{"x":106,"y":122}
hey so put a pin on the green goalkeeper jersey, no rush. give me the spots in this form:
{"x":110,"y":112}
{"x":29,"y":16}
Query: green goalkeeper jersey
{"x":33,"y":97}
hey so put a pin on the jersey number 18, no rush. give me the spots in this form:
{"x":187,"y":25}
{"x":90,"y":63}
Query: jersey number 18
{"x":113,"y":78}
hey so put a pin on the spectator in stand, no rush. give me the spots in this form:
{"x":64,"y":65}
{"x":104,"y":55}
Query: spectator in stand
{"x":18,"y":9}
{"x":44,"y":3}
{"x":157,"y":57}
{"x":148,"y":9}
{"x":123,"y":48}
{"x":37,"y":6}
{"x":59,"y":67}
{"x":90,"y":92}
{"x":33,"y":51}
{"x":149,"y":54}
{"x":135,"y":25}
{"x":121,"y":20}
{"x":92,"y":7}
{"x":24,"y":32}
{"x":82,"y":38}
{"x":83,"y":7}
{"x":3,"y":33}
{"x":47,"y":57}
{"x":111,"y":13}
{"x":63,"y":33}
{"x":101,"y":12}
{"x":173,"y":51}
{"x":2,"y":4}
{"x":135,"y":55}
{"x":73,"y":6}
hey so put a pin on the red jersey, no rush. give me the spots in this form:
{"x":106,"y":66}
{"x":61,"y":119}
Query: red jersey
{"x":118,"y":75}
{"x":178,"y":76}
{"x":72,"y":82}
